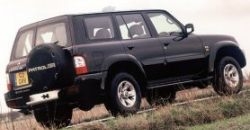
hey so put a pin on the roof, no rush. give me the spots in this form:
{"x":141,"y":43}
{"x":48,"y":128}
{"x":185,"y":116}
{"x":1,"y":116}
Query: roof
{"x":64,"y":17}
{"x":124,"y":11}
{"x":46,"y":21}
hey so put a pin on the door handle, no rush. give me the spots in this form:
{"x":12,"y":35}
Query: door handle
{"x":131,"y":47}
{"x":166,"y":43}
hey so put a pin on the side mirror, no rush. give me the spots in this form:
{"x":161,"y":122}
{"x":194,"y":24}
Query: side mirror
{"x":189,"y":28}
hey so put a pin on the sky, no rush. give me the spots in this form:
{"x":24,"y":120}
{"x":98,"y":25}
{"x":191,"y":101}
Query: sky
{"x":231,"y":17}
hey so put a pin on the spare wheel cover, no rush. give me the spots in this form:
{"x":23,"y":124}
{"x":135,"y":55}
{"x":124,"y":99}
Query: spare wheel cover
{"x":45,"y":64}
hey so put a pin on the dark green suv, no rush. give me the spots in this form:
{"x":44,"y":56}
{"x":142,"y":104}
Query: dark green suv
{"x":115,"y":58}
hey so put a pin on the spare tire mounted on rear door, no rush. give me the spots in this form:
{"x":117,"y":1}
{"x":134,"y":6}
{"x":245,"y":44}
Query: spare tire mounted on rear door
{"x":48,"y":66}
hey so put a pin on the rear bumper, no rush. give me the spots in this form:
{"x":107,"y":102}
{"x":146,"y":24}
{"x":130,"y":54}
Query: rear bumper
{"x":27,"y":99}
{"x":16,"y":101}
{"x":96,"y":79}
{"x":43,"y":97}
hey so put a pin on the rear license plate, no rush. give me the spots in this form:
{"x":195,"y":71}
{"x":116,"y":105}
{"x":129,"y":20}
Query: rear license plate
{"x":22,"y":79}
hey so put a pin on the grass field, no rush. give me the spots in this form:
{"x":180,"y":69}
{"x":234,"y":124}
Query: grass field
{"x":182,"y":117}
{"x":166,"y":117}
{"x":98,"y":111}
{"x":236,"y":123}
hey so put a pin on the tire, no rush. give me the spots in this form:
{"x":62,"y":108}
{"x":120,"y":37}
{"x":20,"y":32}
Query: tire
{"x":202,"y":85}
{"x":123,"y":95}
{"x":228,"y":77}
{"x":160,"y":96}
{"x":86,"y":106}
{"x":49,"y":66}
{"x":53,"y":116}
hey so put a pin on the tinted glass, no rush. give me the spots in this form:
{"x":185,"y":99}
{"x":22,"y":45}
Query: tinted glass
{"x":99,"y":27}
{"x":163,"y":24}
{"x":123,"y":28}
{"x":136,"y":26}
{"x":24,"y":44}
{"x":52,"y":33}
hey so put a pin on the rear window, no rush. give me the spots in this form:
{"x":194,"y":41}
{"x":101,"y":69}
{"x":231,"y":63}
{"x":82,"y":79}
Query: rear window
{"x":24,"y":44}
{"x":45,"y":34}
{"x":52,"y":33}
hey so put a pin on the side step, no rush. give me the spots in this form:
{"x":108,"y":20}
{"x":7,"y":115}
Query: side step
{"x":165,"y":83}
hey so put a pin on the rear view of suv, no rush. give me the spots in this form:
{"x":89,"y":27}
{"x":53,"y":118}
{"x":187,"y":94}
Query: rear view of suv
{"x":115,"y":58}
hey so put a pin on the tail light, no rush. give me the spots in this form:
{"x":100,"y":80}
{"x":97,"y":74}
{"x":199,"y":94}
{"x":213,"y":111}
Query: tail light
{"x":9,"y":85}
{"x":80,"y":65}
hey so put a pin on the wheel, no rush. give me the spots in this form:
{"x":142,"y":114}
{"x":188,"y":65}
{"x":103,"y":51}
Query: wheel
{"x":53,"y":116}
{"x":123,"y":95}
{"x":160,"y":96}
{"x":228,"y":77}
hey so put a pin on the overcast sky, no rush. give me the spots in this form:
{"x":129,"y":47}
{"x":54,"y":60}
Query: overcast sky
{"x":230,"y":17}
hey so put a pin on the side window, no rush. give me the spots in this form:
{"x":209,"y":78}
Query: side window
{"x":99,"y":27}
{"x":163,"y":24}
{"x":52,"y":33}
{"x":24,"y":44}
{"x":133,"y":26}
{"x":123,"y":28}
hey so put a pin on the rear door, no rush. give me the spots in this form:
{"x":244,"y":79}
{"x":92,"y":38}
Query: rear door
{"x":17,"y":66}
{"x":24,"y":43}
{"x":184,"y":54}
{"x":138,"y":42}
